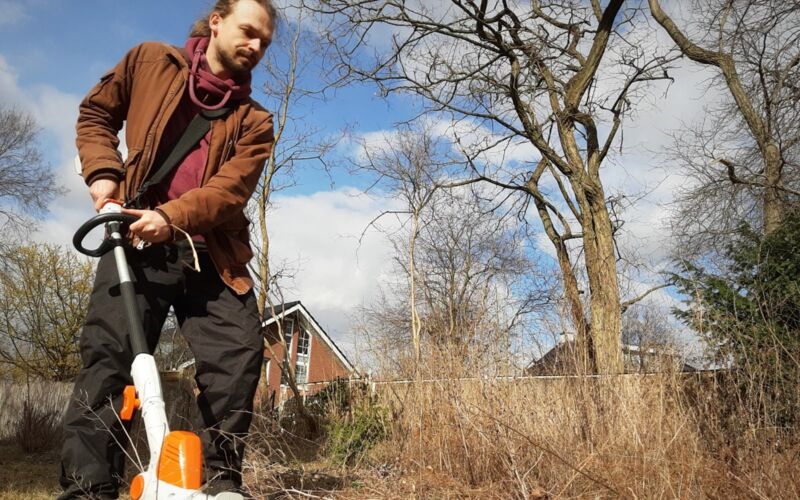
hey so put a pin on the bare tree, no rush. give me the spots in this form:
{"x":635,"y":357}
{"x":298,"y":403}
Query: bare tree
{"x":557,"y":75}
{"x":413,"y":165}
{"x":476,"y":290}
{"x":293,"y":66}
{"x":479,"y":287}
{"x":44,"y":294}
{"x":26,"y":183}
{"x":745,"y":158}
{"x":290,"y":65}
{"x":647,"y":328}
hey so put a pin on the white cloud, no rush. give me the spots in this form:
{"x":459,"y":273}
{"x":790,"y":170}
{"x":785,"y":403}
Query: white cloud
{"x":9,"y":90}
{"x":476,"y":140}
{"x":13,"y":12}
{"x":317,"y":235}
{"x":494,"y":150}
{"x":55,"y":112}
{"x":380,"y":35}
{"x":321,"y":233}
{"x":372,"y":142}
{"x":641,"y":173}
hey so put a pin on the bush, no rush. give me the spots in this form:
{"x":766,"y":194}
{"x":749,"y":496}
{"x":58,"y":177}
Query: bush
{"x":352,"y":435}
{"x":330,"y":403}
{"x":24,"y":406}
{"x":338,"y":397}
{"x":37,"y":428}
{"x":748,"y":312}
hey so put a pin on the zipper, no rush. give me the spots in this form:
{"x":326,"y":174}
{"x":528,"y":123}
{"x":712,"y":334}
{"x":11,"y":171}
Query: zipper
{"x":226,"y":148}
{"x":229,"y":145}
{"x":226,"y":152}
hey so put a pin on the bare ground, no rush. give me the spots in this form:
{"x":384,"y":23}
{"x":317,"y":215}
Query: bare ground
{"x":24,"y":476}
{"x":34,"y":476}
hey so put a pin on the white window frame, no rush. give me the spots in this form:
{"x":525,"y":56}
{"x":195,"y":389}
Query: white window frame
{"x":305,"y":359}
{"x":288,"y":327}
{"x":304,"y":380}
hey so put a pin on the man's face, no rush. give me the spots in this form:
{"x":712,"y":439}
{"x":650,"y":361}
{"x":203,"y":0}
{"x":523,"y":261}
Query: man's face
{"x":241,"y":38}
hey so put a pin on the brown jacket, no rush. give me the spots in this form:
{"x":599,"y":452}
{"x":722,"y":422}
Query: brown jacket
{"x":142,"y":92}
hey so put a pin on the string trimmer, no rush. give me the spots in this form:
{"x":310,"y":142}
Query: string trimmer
{"x":175,"y":469}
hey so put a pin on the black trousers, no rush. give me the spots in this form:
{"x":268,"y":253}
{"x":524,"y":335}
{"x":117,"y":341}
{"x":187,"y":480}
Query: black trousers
{"x":223,"y":332}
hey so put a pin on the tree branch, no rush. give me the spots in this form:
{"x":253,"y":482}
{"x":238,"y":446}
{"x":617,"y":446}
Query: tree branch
{"x":625,"y":305}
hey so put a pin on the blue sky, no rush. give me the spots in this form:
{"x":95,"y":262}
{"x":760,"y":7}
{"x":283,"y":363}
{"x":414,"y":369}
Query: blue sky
{"x":68,"y":45}
{"x":53,"y":51}
{"x":71,"y":43}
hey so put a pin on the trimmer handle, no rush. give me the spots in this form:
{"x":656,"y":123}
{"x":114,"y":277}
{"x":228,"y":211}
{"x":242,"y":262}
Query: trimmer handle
{"x":103,"y":218}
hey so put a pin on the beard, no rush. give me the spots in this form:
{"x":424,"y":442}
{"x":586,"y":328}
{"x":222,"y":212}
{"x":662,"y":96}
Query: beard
{"x":238,"y":64}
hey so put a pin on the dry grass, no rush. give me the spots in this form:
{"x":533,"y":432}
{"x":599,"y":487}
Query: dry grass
{"x":43,"y":398}
{"x":27,"y":476}
{"x":30,"y":475}
{"x":637,"y":436}
{"x":655,"y":436}
{"x":632,"y":436}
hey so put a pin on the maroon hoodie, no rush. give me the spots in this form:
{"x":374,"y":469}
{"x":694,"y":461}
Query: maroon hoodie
{"x":204,"y":90}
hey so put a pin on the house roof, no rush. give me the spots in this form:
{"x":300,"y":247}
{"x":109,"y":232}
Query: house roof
{"x":566,"y":344}
{"x":288,"y":308}
{"x":283,"y":307}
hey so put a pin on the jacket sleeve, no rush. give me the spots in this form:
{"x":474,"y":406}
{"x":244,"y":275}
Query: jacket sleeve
{"x":201,"y":209}
{"x":102,"y":114}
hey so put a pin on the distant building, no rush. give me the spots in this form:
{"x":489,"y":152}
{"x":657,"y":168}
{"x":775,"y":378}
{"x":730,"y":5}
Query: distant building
{"x":313,"y":354}
{"x":561,"y":359}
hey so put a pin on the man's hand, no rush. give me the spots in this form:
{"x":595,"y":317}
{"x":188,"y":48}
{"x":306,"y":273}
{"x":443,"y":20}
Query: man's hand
{"x":102,"y":190}
{"x":151,"y":226}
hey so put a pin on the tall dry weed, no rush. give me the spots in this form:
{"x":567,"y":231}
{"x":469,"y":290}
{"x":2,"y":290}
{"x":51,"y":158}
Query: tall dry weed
{"x":31,"y":413}
{"x":647,"y":436}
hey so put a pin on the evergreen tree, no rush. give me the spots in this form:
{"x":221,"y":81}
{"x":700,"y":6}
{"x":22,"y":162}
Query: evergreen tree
{"x":748,"y":312}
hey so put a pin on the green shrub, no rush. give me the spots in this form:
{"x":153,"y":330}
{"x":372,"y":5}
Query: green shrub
{"x":351,"y":435}
{"x":748,"y":312}
{"x":337,"y":398}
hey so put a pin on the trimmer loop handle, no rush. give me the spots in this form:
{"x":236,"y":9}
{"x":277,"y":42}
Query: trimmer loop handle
{"x":105,"y":218}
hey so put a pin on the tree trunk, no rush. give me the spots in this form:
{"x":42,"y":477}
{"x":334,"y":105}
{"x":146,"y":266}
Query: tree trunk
{"x":571,"y":292}
{"x":583,"y":342}
{"x":601,"y":269}
{"x":774,"y":203}
{"x":415,"y":322}
{"x":263,"y":262}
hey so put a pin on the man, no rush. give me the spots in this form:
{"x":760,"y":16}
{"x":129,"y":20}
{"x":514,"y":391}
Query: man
{"x":156,"y":91}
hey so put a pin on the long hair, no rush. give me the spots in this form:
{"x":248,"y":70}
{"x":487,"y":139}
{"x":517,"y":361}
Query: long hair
{"x":223,"y":8}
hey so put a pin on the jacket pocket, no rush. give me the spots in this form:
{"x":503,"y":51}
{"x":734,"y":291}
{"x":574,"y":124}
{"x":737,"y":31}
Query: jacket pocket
{"x":130,"y":162}
{"x":131,"y":159}
{"x":98,"y":88}
{"x":236,"y":233}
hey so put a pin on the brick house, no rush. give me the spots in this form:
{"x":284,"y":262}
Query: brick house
{"x":313,"y":354}
{"x":561,"y":359}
